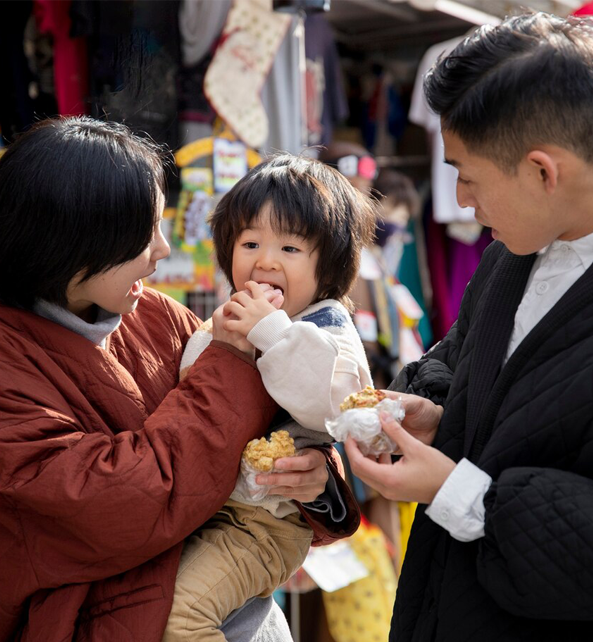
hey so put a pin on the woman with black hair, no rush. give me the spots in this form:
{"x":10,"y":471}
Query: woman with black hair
{"x":106,"y":462}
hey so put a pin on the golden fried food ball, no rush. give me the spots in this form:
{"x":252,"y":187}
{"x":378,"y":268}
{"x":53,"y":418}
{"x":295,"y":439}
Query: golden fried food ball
{"x":261,"y":453}
{"x":366,"y":398}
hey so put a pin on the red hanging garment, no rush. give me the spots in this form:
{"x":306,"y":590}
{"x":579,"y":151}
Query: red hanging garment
{"x":70,"y":56}
{"x":585,"y":10}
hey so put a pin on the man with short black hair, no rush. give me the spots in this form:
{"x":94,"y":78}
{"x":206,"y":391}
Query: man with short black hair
{"x":498,"y":435}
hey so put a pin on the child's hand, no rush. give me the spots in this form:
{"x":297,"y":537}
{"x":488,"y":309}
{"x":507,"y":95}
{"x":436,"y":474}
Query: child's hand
{"x":248,"y":307}
{"x":273,"y":295}
{"x":220,"y":333}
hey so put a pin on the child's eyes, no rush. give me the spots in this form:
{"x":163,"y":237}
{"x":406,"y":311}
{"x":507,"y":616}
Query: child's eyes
{"x":463,"y":181}
{"x":252,"y":245}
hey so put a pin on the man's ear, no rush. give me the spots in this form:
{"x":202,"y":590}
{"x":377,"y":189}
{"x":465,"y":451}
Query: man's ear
{"x":546,"y":167}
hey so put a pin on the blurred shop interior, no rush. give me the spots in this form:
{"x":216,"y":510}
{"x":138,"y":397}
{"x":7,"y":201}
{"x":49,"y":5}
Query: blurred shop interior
{"x":225,"y":83}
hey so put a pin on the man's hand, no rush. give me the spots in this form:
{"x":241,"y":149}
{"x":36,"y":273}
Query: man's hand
{"x":422,"y":416}
{"x":303,"y":478}
{"x":248,"y":307}
{"x":416,"y":477}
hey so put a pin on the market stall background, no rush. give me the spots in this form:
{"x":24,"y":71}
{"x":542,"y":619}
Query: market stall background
{"x":223,"y":84}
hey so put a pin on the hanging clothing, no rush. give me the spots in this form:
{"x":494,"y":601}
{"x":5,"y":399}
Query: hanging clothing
{"x":240,"y":66}
{"x":200,"y":25}
{"x":282,"y":96}
{"x":326,"y":99}
{"x":443,"y":316}
{"x":16,"y":106}
{"x":463,"y":259}
{"x":107,"y":26}
{"x":384,"y":117}
{"x":443,"y":176}
{"x":39,"y":49}
{"x":135,"y":59}
{"x":585,"y":10}
{"x":70,"y":56}
{"x":193,"y":105}
{"x":410,"y":274}
{"x":376,"y":316}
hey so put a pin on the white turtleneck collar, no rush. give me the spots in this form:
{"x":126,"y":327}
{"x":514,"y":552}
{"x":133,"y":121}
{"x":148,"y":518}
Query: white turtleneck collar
{"x":96,"y":332}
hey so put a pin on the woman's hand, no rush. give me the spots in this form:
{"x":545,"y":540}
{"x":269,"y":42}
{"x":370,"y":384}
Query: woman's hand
{"x":303,"y":477}
{"x":422,"y":416}
{"x":220,"y":333}
{"x":416,"y":477}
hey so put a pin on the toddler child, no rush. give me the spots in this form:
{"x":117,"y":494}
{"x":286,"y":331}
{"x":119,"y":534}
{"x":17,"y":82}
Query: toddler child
{"x":288,"y":235}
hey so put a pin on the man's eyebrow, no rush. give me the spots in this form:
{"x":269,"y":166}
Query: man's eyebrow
{"x":452,"y":162}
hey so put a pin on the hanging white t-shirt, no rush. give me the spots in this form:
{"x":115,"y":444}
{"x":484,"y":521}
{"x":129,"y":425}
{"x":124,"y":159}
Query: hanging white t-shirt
{"x":444,"y":177}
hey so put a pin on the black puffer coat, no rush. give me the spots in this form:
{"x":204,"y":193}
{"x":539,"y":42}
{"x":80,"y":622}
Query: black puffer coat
{"x":530,"y":426}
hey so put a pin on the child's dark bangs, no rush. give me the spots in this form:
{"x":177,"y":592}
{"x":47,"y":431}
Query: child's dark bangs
{"x":299,"y":206}
{"x":248,"y":203}
{"x":297,"y":216}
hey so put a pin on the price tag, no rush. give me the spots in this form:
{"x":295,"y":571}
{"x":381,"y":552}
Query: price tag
{"x":334,"y":567}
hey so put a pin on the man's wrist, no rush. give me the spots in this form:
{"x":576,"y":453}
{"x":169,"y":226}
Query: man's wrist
{"x":446,"y":468}
{"x":458,"y":506}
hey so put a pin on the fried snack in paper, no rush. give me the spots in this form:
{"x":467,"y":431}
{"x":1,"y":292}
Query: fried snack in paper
{"x":366,"y":398}
{"x":359,"y":419}
{"x":259,"y":457}
{"x":261,"y":454}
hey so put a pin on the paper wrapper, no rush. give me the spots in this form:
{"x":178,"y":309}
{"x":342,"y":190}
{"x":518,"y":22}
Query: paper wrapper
{"x":364,"y":426}
{"x":248,"y":487}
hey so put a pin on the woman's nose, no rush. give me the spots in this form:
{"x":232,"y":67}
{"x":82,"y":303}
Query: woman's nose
{"x":160,"y":249}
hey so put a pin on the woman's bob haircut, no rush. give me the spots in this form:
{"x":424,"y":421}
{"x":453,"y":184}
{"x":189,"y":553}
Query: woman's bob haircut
{"x":78,"y":196}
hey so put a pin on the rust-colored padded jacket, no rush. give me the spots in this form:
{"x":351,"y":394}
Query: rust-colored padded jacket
{"x":106,"y":464}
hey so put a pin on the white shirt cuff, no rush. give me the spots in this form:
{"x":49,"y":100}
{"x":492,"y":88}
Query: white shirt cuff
{"x":459,"y":505}
{"x":267,"y":333}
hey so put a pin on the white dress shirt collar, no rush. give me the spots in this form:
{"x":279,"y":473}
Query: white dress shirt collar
{"x":583,"y":248}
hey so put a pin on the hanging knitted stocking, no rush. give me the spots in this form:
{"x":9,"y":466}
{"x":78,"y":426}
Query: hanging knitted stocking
{"x":250,"y":39}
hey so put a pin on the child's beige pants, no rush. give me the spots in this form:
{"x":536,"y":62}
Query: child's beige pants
{"x":242,"y":552}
